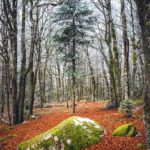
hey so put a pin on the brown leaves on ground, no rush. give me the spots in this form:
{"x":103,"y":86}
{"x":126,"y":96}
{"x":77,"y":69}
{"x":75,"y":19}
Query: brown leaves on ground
{"x":109,"y":119}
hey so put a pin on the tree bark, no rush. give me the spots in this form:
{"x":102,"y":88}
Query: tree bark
{"x":2,"y":91}
{"x":126,"y":49}
{"x":117,"y":70}
{"x":34,"y":41}
{"x":92,"y":74}
{"x":10,"y":11}
{"x":73,"y":66}
{"x":134,"y":53}
{"x":73,"y":76}
{"x":31,"y":71}
{"x":143,"y":9}
{"x":22,"y":82}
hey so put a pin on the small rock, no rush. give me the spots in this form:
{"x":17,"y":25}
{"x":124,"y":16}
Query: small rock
{"x":125,"y":130}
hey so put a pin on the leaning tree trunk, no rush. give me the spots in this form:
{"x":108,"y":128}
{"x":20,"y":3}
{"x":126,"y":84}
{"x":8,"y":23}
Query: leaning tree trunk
{"x":143,"y":8}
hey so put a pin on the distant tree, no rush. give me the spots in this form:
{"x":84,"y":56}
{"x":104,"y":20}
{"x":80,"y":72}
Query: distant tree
{"x":92,"y":74}
{"x":75,"y":21}
{"x":111,"y":58}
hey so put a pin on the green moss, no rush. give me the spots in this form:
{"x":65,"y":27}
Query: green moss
{"x":134,"y":58}
{"x":126,"y":106}
{"x":137,"y":101}
{"x":134,"y":44}
{"x":115,"y":48}
{"x":75,"y":133}
{"x":132,"y":131}
{"x":113,"y":32}
{"x":148,"y":23}
{"x":125,"y":130}
{"x":141,"y":146}
{"x":3,"y":139}
{"x":7,"y":137}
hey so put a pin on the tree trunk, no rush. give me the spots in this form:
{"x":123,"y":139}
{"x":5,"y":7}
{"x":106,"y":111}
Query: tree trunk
{"x":32,"y":72}
{"x":33,"y":78}
{"x":143,"y":8}
{"x":13,"y":41}
{"x":41,"y":87}
{"x":108,"y":38}
{"x":106,"y":81}
{"x":7,"y":90}
{"x":73,"y":67}
{"x":22,"y":82}
{"x":126,"y":49}
{"x":2,"y":91}
{"x":117,"y":72}
{"x":73,"y":79}
{"x":134,"y":54}
{"x":6,"y":72}
{"x":92,"y":74}
{"x":14,"y":76}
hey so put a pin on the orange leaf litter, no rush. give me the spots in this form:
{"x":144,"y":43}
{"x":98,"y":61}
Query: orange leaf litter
{"x":109,"y":119}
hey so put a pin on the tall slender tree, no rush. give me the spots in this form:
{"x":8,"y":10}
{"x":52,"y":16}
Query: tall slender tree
{"x":126,"y":49}
{"x":75,"y":20}
{"x":23,"y":74}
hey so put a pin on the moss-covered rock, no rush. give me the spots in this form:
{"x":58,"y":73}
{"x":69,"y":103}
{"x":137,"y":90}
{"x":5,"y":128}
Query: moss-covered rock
{"x":75,"y":133}
{"x":125,"y":130}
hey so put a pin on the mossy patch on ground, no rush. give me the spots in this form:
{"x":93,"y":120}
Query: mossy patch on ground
{"x":141,"y":146}
{"x":75,"y":133}
{"x":7,"y":137}
{"x":125,"y":130}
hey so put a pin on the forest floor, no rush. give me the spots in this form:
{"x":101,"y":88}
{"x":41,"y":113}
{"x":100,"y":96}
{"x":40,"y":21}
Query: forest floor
{"x":49,"y":117}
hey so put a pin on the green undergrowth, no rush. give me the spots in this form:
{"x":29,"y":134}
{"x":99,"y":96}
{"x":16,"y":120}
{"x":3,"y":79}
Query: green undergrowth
{"x":141,"y":146}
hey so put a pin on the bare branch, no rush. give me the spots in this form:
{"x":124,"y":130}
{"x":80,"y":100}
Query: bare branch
{"x":50,"y":3}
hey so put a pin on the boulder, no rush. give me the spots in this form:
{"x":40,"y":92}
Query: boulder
{"x":125,"y":130}
{"x":75,"y":133}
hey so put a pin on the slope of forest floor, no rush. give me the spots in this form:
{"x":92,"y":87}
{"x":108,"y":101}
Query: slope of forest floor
{"x":10,"y":137}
